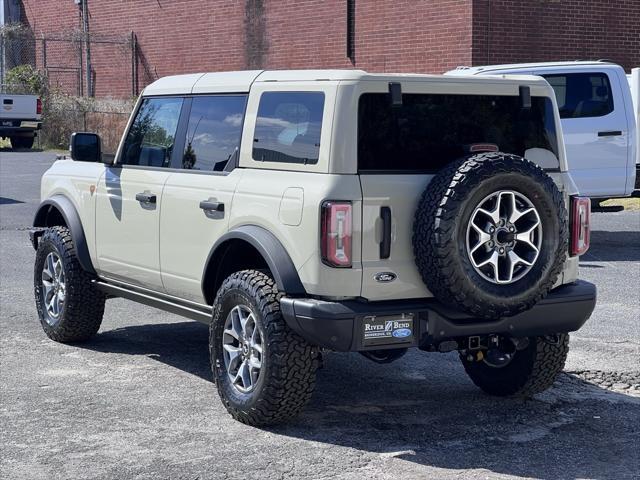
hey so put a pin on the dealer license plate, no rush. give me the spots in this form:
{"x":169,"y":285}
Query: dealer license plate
{"x":386,"y":330}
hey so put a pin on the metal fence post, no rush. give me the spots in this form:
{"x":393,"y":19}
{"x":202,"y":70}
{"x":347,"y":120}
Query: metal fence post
{"x":44,"y":53}
{"x":134,"y":65}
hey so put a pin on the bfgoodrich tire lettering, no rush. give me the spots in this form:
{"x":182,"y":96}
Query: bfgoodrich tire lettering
{"x":288,"y":363}
{"x":531,"y":370}
{"x":79,"y":315}
{"x":441,"y":226}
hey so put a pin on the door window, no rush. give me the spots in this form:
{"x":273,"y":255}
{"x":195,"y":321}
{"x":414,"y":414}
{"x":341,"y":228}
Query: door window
{"x":152,"y":135}
{"x":213,"y":133}
{"x":582,"y":95}
{"x":288,"y":127}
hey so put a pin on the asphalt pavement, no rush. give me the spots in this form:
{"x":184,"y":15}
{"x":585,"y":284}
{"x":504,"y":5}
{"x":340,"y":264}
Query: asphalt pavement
{"x":137,"y":401}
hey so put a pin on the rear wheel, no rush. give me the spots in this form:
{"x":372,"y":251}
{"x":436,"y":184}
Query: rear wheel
{"x":264,"y":372}
{"x":531,"y":370}
{"x":69,"y":305}
{"x":22,"y":142}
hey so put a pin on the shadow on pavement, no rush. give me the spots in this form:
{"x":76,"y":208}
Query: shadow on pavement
{"x":438,"y":418}
{"x":183,"y":345}
{"x":423,"y":409}
{"x":21,"y":150}
{"x":9,"y":201}
{"x":613,"y":246}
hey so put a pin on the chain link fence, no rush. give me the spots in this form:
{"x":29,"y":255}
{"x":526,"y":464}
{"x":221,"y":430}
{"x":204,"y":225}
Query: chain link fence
{"x":111,"y":70}
{"x":74,"y":91}
{"x":17,"y":47}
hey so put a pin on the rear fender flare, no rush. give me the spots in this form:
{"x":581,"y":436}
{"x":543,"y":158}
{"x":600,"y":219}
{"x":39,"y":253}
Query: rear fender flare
{"x":273,"y":252}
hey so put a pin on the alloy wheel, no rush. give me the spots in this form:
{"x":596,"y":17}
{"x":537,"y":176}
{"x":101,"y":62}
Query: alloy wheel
{"x":504,"y":237}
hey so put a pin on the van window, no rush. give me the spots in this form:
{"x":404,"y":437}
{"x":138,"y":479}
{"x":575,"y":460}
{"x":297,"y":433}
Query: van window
{"x":288,"y":127}
{"x":152,"y":134}
{"x":430,"y":130}
{"x":213,"y":132}
{"x":582,"y":95}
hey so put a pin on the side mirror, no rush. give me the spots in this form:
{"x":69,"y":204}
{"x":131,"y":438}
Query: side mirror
{"x":85,"y":147}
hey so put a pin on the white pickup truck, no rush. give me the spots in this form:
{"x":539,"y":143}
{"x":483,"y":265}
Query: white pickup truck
{"x":598,"y":122}
{"x":20,"y":118}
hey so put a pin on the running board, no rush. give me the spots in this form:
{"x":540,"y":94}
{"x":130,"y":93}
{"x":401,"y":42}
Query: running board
{"x":201,"y":313}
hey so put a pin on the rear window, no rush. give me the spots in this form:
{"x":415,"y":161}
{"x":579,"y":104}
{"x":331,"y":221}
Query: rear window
{"x":288,"y":127}
{"x":582,"y":95}
{"x":430,"y":130}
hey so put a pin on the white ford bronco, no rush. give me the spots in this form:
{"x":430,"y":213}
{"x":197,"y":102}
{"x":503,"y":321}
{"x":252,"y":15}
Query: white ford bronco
{"x":302,"y":211}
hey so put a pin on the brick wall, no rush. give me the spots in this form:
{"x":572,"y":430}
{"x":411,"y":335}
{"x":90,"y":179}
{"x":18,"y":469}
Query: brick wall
{"x":432,"y":36}
{"x":507,"y":31}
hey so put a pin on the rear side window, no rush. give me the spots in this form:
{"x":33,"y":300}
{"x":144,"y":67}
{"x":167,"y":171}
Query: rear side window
{"x":152,"y":135}
{"x":582,"y":95}
{"x":288,"y":127}
{"x":213,"y":132}
{"x":430,"y":130}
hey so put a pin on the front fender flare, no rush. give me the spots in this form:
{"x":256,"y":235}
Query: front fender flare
{"x":73,"y":222}
{"x":278,"y":260}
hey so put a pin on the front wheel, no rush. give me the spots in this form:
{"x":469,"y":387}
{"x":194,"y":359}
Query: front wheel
{"x":264,"y":372}
{"x":69,"y":305}
{"x":531,"y":370}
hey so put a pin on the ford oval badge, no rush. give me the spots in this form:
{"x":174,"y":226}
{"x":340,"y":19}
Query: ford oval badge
{"x":385,"y":277}
{"x":401,"y":333}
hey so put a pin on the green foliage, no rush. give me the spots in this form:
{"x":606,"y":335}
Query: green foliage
{"x":27,"y":79}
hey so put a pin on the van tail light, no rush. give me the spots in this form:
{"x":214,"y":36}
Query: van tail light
{"x":580,"y":225}
{"x":39,"y":107}
{"x":336,"y":229}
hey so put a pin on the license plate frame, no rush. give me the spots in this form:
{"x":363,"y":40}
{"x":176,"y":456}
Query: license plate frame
{"x":387,"y":330}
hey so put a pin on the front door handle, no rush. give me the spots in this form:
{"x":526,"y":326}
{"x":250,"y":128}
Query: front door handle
{"x":610,"y":133}
{"x":210,"y":206}
{"x":146,"y":197}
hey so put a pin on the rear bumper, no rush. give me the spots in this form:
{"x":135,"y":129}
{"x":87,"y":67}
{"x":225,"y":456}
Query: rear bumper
{"x":341,"y":325}
{"x":19,"y":127}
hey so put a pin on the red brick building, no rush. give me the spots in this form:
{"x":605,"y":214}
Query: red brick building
{"x":177,"y":36}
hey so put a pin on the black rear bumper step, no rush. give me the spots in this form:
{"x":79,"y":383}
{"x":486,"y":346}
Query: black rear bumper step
{"x":339,"y":325}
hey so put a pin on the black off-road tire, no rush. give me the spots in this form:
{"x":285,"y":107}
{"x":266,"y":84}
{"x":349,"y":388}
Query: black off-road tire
{"x":440,"y":224}
{"x":531,"y":371}
{"x":22,"y":142}
{"x":289,"y":363}
{"x":83,"y":308}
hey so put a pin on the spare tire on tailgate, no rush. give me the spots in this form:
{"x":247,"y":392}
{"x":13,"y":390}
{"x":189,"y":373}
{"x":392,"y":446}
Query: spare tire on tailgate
{"x":490,"y":234}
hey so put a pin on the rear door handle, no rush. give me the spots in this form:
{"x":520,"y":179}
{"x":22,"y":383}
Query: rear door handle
{"x":209,"y":206}
{"x":146,"y":197}
{"x":385,"y":244}
{"x":610,"y":133}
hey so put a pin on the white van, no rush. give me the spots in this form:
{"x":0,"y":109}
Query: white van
{"x":598,"y":123}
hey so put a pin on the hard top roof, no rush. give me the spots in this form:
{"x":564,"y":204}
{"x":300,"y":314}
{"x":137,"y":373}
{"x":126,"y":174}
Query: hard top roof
{"x":241,"y":81}
{"x":464,"y":70}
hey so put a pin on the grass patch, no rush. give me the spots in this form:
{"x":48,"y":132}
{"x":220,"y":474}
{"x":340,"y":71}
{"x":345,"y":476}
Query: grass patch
{"x":627,"y":203}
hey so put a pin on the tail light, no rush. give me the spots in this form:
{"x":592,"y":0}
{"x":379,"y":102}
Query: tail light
{"x":39,"y":106}
{"x":580,"y":225}
{"x":335,"y":241}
